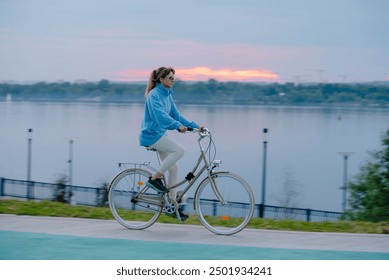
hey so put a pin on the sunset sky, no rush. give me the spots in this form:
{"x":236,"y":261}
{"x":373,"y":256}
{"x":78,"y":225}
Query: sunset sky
{"x":245,"y":40}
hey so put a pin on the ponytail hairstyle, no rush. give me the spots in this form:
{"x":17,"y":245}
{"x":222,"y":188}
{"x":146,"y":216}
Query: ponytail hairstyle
{"x":155,"y":75}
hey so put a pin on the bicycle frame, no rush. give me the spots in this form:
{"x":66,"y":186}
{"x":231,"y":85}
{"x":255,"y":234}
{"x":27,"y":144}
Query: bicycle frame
{"x":202,"y":158}
{"x":194,"y":177}
{"x":190,"y":180}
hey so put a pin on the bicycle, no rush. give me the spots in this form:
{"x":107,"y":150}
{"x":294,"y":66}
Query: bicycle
{"x":224,"y":201}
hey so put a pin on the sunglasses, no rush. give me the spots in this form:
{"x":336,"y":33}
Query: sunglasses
{"x":171,"y":78}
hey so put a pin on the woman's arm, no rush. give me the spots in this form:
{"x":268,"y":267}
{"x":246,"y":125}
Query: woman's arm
{"x":175,"y":114}
{"x":158,"y":113}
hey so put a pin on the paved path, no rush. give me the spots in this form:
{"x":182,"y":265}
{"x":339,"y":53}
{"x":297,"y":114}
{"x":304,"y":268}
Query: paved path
{"x":35,"y":237}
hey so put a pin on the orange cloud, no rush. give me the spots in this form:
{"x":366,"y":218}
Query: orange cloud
{"x":203,"y":73}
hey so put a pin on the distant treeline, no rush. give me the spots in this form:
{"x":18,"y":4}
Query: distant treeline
{"x":210,"y":92}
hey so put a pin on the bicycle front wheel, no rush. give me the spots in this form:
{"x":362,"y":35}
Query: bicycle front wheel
{"x":225,"y":203}
{"x":132,"y":203}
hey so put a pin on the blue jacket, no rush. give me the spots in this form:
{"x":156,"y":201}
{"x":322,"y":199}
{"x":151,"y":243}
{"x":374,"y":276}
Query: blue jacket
{"x":161,"y":114}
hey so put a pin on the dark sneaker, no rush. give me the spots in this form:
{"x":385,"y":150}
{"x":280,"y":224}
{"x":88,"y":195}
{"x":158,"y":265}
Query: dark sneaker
{"x":157,"y":185}
{"x":183,"y":216}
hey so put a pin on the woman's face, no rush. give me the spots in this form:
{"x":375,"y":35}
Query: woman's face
{"x":168,"y":81}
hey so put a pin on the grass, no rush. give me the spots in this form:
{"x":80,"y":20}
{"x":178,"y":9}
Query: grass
{"x":56,"y":209}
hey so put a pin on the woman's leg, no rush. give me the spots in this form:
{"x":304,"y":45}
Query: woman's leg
{"x":170,"y":152}
{"x":172,"y":179}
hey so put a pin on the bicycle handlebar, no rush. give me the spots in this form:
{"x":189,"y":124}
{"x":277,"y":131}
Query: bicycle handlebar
{"x":199,"y":130}
{"x":202,"y":131}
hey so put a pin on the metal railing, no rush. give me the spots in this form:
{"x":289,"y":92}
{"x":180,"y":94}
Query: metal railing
{"x":93,"y":196}
{"x":31,"y":190}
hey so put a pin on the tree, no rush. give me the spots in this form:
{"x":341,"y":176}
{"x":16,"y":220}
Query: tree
{"x":103,"y":85}
{"x":61,"y":194}
{"x":290,"y":190}
{"x":369,"y":191}
{"x":102,"y":199}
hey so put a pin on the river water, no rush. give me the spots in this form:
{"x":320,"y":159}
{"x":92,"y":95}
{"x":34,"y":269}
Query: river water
{"x":303,"y":166}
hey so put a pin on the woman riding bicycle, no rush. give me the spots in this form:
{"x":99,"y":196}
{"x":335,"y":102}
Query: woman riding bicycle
{"x":161,"y":114}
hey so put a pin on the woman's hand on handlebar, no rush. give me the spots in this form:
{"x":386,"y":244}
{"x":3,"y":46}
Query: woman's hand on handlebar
{"x":184,"y":129}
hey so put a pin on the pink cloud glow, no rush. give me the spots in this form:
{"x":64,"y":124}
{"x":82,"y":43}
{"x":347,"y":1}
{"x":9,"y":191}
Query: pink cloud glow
{"x":203,"y":73}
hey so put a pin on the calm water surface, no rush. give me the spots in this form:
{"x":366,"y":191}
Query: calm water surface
{"x":304,"y":168}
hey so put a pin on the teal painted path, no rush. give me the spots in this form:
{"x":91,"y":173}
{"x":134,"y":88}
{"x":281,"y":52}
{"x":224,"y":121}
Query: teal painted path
{"x":49,"y":238}
{"x":38,"y":246}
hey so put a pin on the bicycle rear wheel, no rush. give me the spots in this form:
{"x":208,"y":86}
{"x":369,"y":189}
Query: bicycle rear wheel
{"x":132,"y":203}
{"x":225,"y":207}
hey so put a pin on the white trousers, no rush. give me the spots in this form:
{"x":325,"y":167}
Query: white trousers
{"x":170,"y":152}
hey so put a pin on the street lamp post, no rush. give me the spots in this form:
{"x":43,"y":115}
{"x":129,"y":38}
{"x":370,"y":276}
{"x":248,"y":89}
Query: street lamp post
{"x":29,"y":154}
{"x":70,"y":160}
{"x":262,"y":206}
{"x":345,"y":158}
